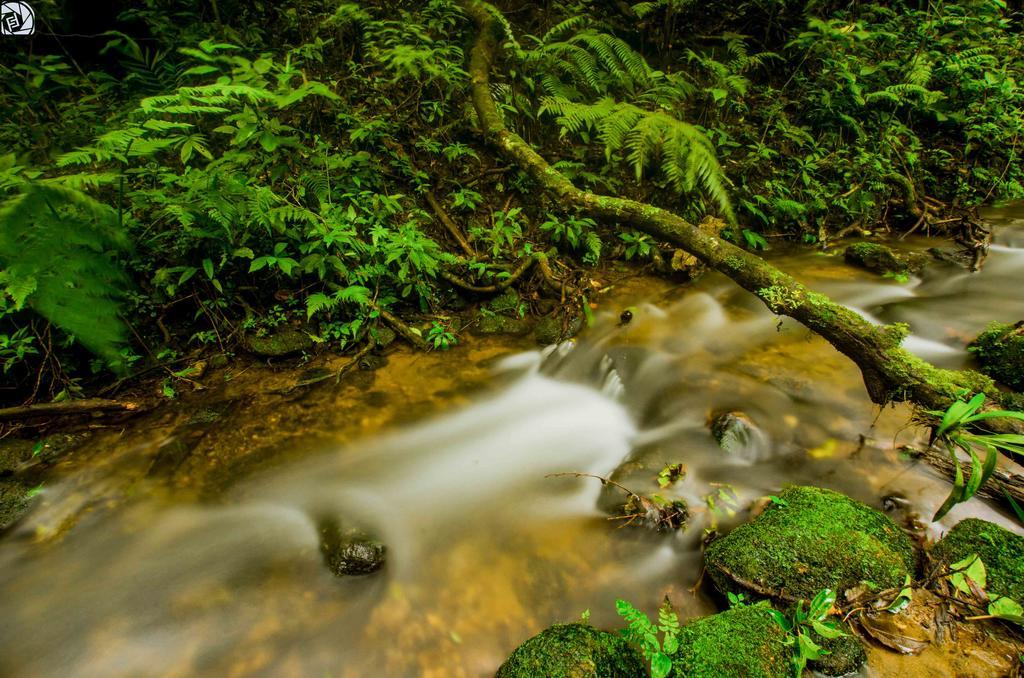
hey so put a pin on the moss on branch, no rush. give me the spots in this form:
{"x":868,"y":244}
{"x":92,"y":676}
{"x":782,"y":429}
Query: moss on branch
{"x":890,"y":372}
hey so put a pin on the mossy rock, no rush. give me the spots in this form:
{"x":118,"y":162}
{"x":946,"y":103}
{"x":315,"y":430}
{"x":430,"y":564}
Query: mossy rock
{"x":813,"y":539}
{"x":383,"y":337}
{"x":554,"y":329}
{"x":574,"y":651}
{"x":1000,"y":351}
{"x":488,"y":323}
{"x":883,"y":260}
{"x":734,"y":432}
{"x":279,"y":342}
{"x":744,"y":642}
{"x":349,"y":551}
{"x":845,"y":654}
{"x":1000,"y":550}
{"x":506,"y":303}
{"x":15,"y":500}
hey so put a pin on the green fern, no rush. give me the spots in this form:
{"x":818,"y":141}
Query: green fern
{"x":683,"y":153}
{"x":55,"y":249}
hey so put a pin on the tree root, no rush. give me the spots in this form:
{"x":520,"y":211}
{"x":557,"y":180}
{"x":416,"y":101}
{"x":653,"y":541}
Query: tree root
{"x":499,"y":286}
{"x":890,"y":372}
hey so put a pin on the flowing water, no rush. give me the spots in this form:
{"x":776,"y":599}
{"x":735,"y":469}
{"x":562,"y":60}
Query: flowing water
{"x":486,"y":545}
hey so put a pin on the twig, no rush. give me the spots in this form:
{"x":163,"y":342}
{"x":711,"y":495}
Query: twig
{"x":68,"y":407}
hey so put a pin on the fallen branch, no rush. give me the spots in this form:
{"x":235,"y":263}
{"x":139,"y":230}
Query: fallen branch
{"x":407,"y":333}
{"x":890,"y":372}
{"x":88,"y":406}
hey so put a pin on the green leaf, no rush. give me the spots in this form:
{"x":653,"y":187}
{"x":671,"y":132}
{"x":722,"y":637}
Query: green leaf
{"x":807,"y":647}
{"x":970,"y":567}
{"x":1006,"y":608}
{"x":661,"y":665}
{"x":827,"y":629}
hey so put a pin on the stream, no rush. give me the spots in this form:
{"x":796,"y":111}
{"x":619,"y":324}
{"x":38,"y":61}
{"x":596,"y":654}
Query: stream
{"x":485,"y":545}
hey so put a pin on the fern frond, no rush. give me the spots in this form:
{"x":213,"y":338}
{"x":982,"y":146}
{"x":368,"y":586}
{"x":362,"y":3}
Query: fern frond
{"x":681,"y":151}
{"x":60,"y":238}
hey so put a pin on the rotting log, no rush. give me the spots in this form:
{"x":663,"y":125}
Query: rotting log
{"x":890,"y":372}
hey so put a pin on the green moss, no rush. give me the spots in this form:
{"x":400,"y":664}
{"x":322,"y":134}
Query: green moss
{"x":818,"y":539}
{"x":744,"y":642}
{"x":1002,"y":552}
{"x":845,"y":654}
{"x":1000,"y":351}
{"x":549,"y":330}
{"x":573,"y":651}
{"x":506,"y":303}
{"x":279,"y":342}
{"x":883,"y":260}
{"x":15,"y":499}
{"x":500,"y":324}
{"x":780,"y":298}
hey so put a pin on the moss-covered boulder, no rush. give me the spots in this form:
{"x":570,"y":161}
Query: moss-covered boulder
{"x":744,"y":642}
{"x":574,"y":651}
{"x":810,"y":540}
{"x":1000,"y":352}
{"x":489,"y":323}
{"x":883,"y":260}
{"x":281,"y":341}
{"x":1000,"y":550}
{"x":557,"y":328}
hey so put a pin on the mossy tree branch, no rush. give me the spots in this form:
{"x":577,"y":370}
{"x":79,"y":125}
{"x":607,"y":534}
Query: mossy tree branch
{"x":890,"y":372}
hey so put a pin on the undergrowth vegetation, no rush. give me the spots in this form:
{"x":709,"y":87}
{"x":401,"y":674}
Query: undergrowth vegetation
{"x":199,"y":174}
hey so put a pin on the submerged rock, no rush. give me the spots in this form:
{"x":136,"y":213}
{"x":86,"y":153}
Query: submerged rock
{"x":1000,"y":550}
{"x":573,"y":651}
{"x":809,"y":540}
{"x":744,"y":642}
{"x":737,"y":434}
{"x":883,"y":260}
{"x":1000,"y":351}
{"x":351,"y":551}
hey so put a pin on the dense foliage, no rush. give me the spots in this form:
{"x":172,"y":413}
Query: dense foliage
{"x":191,"y":174}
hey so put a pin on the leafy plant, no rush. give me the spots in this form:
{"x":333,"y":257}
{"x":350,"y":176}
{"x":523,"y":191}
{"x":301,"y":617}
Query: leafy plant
{"x":440,"y":336}
{"x":671,"y":473}
{"x":804,"y":625}
{"x":57,"y":257}
{"x":954,"y":433}
{"x":639,"y":245}
{"x":645,"y":634}
{"x":969,"y":577}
